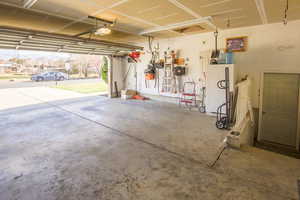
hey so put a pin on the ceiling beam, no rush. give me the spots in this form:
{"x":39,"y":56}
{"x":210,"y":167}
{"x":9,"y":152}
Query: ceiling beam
{"x":261,"y":10}
{"x":186,"y":9}
{"x":41,"y":12}
{"x":117,"y":28}
{"x":176,"y":25}
{"x":220,"y":13}
{"x":135,"y":18}
{"x":193,"y":13}
{"x":92,"y":14}
{"x":215,"y":3}
{"x":141,"y":21}
{"x":29,"y":3}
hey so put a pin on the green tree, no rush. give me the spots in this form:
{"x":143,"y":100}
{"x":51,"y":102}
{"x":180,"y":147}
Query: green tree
{"x":104,"y":69}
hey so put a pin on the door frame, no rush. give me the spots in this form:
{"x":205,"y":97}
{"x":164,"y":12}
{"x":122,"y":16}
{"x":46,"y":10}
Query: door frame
{"x":261,"y":94}
{"x":110,"y":77}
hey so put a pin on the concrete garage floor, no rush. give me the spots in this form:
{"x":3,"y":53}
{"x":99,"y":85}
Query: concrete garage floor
{"x":92,"y":147}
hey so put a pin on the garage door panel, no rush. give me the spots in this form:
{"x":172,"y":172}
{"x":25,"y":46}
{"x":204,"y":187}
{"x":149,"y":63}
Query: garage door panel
{"x":32,"y":40}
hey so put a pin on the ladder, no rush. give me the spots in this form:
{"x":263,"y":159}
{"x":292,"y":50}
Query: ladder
{"x":169,"y":81}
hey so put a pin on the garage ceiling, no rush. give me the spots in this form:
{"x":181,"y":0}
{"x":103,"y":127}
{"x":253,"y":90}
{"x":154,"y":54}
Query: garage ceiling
{"x":140,"y":16}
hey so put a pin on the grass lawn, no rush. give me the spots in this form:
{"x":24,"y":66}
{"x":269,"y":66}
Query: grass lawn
{"x":84,"y":88}
{"x":13,"y":76}
{"x":90,"y":75}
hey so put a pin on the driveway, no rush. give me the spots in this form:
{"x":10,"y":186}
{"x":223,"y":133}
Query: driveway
{"x":17,"y":97}
{"x":28,"y":83}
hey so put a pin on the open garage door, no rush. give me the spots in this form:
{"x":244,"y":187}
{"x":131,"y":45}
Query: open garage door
{"x":32,"y":40}
{"x":22,"y":39}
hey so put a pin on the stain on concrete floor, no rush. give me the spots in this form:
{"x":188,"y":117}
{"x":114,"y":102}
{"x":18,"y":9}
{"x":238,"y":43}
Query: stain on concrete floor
{"x":57,"y":154}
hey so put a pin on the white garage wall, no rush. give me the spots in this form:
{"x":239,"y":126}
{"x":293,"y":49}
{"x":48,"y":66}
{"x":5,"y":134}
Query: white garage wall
{"x":272,"y":47}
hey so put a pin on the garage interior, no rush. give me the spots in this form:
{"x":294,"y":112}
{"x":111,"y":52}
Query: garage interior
{"x":203,"y":101}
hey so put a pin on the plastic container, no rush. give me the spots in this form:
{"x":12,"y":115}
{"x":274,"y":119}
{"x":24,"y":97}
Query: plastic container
{"x":229,"y":58}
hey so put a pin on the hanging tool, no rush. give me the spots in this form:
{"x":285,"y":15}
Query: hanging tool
{"x":149,"y":75}
{"x":216,"y":53}
{"x":179,"y":71}
{"x":135,"y":55}
{"x":151,"y":71}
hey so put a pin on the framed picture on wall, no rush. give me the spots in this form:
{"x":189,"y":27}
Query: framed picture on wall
{"x":236,"y":44}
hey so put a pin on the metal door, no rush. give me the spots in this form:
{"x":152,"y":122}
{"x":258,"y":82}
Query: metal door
{"x":279,"y":109}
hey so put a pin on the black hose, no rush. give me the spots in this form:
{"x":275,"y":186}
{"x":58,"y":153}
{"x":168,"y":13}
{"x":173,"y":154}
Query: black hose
{"x":214,"y":163}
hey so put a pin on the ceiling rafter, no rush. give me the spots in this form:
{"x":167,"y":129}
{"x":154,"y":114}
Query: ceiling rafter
{"x":92,"y":14}
{"x":215,"y":3}
{"x":142,"y":21}
{"x":191,"y":12}
{"x":134,"y":18}
{"x":234,"y":18}
{"x":148,"y":9}
{"x":261,"y":10}
{"x":41,"y":12}
{"x":119,"y":28}
{"x":220,"y":13}
{"x":176,"y":25}
{"x":186,"y":9}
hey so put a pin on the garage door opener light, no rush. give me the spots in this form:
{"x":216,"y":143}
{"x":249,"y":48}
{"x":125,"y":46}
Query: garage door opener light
{"x":103,"y":31}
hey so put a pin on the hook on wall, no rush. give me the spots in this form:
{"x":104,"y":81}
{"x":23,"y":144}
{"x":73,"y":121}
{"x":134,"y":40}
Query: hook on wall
{"x":228,"y":23}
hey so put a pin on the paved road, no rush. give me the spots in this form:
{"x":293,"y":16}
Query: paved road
{"x":27,"y":83}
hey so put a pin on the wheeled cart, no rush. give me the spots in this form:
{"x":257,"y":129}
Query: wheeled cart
{"x":188,"y":95}
{"x":223,"y":111}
